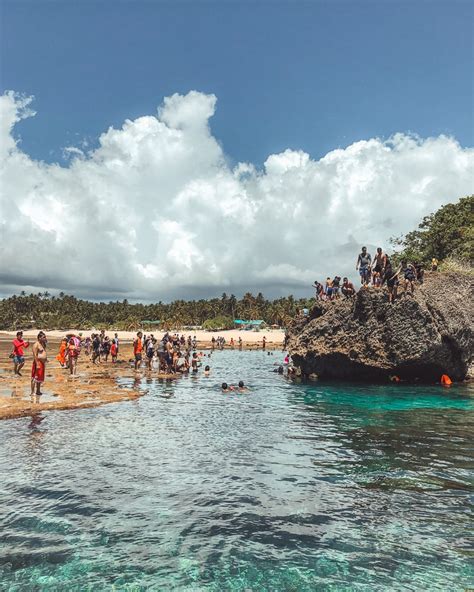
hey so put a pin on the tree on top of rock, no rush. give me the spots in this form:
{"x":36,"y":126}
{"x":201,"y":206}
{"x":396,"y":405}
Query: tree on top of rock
{"x":447,"y":233}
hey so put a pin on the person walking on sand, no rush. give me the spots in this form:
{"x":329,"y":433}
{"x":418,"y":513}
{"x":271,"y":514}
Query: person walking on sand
{"x":137,"y":349}
{"x":39,"y":363}
{"x":18,"y":354}
{"x":264,"y":342}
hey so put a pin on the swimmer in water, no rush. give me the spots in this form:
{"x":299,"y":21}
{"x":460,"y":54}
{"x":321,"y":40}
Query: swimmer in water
{"x":226,"y":388}
{"x":207,"y":371}
{"x":242,"y":387}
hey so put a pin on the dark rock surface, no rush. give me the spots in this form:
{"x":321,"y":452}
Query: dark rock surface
{"x":418,"y":337}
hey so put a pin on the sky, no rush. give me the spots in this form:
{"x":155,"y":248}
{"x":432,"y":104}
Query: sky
{"x":156,"y":150}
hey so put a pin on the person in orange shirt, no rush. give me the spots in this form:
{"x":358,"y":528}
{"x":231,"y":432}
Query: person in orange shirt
{"x":61,"y":357}
{"x":137,"y":349}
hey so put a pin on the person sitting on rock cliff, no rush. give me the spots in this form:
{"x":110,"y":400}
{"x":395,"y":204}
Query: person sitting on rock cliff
{"x":364,"y":263}
{"x":347,"y":288}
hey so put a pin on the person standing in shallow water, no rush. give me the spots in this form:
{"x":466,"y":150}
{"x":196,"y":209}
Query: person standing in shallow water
{"x":137,"y":349}
{"x":39,"y":363}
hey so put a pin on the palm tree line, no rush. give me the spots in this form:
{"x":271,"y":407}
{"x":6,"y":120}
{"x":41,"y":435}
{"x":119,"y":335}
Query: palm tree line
{"x":48,"y":312}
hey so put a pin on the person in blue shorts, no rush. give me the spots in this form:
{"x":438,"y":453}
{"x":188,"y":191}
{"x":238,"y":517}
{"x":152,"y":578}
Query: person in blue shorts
{"x":364,"y":264}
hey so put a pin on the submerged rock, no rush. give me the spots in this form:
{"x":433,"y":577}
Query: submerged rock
{"x":418,"y":337}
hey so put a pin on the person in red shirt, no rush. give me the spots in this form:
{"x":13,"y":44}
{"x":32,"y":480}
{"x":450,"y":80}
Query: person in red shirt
{"x":137,"y":349}
{"x":18,"y":354}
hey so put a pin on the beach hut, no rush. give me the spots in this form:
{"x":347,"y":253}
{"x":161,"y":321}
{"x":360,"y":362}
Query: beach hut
{"x":150,"y":324}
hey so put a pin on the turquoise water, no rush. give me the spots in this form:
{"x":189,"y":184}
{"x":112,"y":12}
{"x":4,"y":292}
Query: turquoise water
{"x":302,"y":487}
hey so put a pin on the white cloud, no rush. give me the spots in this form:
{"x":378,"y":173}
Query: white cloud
{"x":157,"y":212}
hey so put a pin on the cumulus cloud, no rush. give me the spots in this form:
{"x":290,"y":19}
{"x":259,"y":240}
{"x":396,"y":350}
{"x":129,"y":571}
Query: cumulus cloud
{"x":157,"y":212}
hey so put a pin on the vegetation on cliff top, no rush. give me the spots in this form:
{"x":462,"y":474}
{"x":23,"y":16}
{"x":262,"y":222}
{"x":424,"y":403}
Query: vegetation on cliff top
{"x":447,"y":235}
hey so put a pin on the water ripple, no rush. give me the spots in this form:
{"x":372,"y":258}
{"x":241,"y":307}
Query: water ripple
{"x":287,"y":487}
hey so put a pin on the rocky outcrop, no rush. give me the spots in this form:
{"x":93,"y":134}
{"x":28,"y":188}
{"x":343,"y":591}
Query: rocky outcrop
{"x":418,"y":337}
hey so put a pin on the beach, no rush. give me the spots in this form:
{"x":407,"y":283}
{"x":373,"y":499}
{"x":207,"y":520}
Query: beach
{"x":204,"y":338}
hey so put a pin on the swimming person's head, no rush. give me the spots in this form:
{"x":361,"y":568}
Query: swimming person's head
{"x":280,"y":369}
{"x":224,"y":386}
{"x":241,"y":384}
{"x":206,"y":369}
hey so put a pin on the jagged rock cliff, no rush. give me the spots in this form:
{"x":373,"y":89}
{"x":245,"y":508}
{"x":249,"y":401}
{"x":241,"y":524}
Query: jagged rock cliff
{"x":366,"y":338}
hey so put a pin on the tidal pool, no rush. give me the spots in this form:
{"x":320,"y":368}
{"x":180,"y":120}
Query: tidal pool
{"x":304,"y":487}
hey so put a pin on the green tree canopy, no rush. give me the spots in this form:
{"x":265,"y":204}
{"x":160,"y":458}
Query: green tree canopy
{"x":447,"y":233}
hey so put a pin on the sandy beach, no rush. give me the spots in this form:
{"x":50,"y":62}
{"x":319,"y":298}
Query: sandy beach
{"x":273,"y":337}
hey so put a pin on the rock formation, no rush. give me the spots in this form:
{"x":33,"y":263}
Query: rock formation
{"x":418,"y":337}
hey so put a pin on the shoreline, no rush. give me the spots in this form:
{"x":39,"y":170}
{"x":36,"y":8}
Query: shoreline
{"x":272,"y":336}
{"x":93,"y":386}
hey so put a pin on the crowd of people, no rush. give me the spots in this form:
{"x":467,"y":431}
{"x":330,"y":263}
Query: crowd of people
{"x":171,"y":355}
{"x":376,"y":272}
{"x":175,"y":354}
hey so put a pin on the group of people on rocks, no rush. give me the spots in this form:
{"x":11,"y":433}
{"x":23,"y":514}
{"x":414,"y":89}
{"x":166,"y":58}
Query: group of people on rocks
{"x":375,"y":272}
{"x":40,"y":358}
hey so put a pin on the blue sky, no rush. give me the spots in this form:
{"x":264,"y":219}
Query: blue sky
{"x":308,"y":94}
{"x":300,"y":75}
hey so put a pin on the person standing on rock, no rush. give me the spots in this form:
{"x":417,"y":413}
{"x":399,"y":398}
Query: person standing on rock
{"x":39,"y":363}
{"x":18,"y":355}
{"x":364,"y":263}
{"x":137,"y":350}
{"x":379,"y":264}
{"x":391,"y":278}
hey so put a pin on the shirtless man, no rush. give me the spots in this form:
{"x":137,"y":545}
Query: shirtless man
{"x":379,"y":264}
{"x":169,"y":356}
{"x":39,"y":363}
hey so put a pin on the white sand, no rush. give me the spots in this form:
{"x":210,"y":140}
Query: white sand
{"x":271,"y":335}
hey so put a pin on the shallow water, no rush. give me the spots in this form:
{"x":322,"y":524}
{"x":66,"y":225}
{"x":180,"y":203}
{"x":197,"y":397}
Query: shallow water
{"x":288,"y":487}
